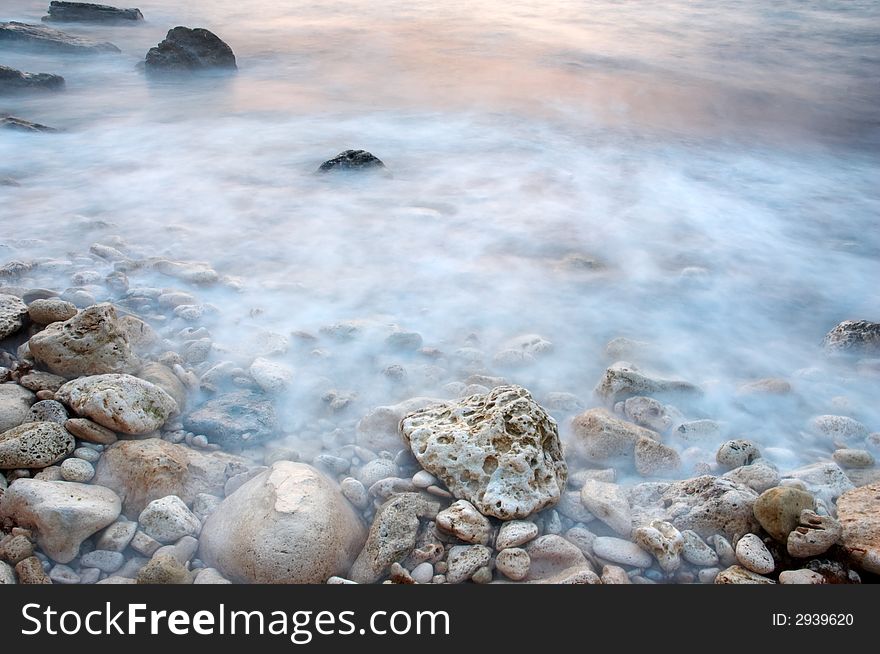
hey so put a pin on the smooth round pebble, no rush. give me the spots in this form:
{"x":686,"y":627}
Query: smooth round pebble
{"x":78,"y":470}
{"x":515,"y":533}
{"x":803,"y":576}
{"x":848,"y":458}
{"x":754,"y":555}
{"x":423,"y":479}
{"x":87,"y":454}
{"x":513,"y":563}
{"x":423,"y":573}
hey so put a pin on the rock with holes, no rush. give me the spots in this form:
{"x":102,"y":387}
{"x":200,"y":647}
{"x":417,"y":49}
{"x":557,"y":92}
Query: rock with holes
{"x":289,"y":524}
{"x":34,"y":445}
{"x":854,"y":337}
{"x":858,"y":511}
{"x":122,"y":403}
{"x":737,"y":574}
{"x":463,"y":521}
{"x":663,"y":541}
{"x":13,"y":312}
{"x":90,"y":343}
{"x":235,"y":420}
{"x":710,"y":505}
{"x":61,"y":513}
{"x":352,"y":160}
{"x":814,"y":535}
{"x":654,"y":459}
{"x":500,"y":451}
{"x":753,"y":555}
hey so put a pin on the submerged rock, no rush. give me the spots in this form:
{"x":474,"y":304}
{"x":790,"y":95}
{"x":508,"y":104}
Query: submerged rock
{"x":235,"y":419}
{"x":599,"y":437}
{"x":186,"y":50}
{"x":500,"y":451}
{"x":90,"y":343}
{"x":90,"y":13}
{"x":119,"y":402}
{"x":290,"y":524}
{"x":40,"y":37}
{"x":62,"y":513}
{"x":854,"y":337}
{"x":352,"y":160}
{"x":623,"y":380}
{"x":22,"y":125}
{"x":12,"y":80}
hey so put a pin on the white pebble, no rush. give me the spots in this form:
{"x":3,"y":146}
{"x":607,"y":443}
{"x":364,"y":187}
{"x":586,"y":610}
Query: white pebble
{"x":423,"y":573}
{"x":754,"y":555}
{"x":77,"y":470}
{"x":621,"y":551}
{"x":87,"y":454}
{"x":423,"y":479}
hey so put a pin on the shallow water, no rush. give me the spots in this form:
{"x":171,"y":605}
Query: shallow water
{"x":718,"y":160}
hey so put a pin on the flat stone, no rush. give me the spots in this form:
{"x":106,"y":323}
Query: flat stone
{"x":858,"y":511}
{"x":621,"y":551}
{"x":271,"y":376}
{"x":597,"y":436}
{"x":500,"y":451}
{"x":609,"y":504}
{"x":849,"y":458}
{"x":89,"y":431}
{"x":235,"y":420}
{"x":696,"y":551}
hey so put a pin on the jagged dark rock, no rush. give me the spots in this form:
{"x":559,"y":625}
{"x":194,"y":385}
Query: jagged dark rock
{"x":189,"y":50}
{"x":352,"y":160}
{"x":86,"y":12}
{"x":12,"y":81}
{"x":40,"y":37}
{"x":21,"y":125}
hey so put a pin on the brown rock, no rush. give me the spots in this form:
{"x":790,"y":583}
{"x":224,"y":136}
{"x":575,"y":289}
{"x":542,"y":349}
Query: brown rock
{"x":858,"y":511}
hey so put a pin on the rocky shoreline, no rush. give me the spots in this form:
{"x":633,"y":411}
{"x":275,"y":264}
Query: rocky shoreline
{"x":136,"y":447}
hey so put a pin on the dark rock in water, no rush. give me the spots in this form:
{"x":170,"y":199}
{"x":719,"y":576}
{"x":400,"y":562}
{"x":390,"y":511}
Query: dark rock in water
{"x":12,"y":80}
{"x":8,"y":181}
{"x":88,"y":12}
{"x":189,"y":50}
{"x":40,"y":37}
{"x":854,"y":337}
{"x":235,"y":420}
{"x":352,"y":160}
{"x":21,"y":125}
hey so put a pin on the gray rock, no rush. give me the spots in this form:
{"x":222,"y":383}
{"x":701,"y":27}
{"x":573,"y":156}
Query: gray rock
{"x":13,"y":312}
{"x":653,"y":459}
{"x":355,"y":492}
{"x":12,"y":81}
{"x":34,"y":445}
{"x":840,"y":430}
{"x":850,"y":458}
{"x":271,"y":376}
{"x":854,"y":337}
{"x":15,"y":404}
{"x":622,"y":380}
{"x":759,"y":476}
{"x":710,"y":505}
{"x":117,"y":536}
{"x":62,"y":574}
{"x":465,"y":560}
{"x":753,"y":555}
{"x":90,"y":343}
{"x":736,"y":574}
{"x":621,"y":551}
{"x":649,"y":413}
{"x":74,"y":469}
{"x":167,"y":519}
{"x":392,"y":535}
{"x":104,"y":560}
{"x":352,"y":160}
{"x":186,"y":50}
{"x":74,"y":12}
{"x":37,"y":380}
{"x":47,"y":411}
{"x":304,"y":531}
{"x":500,"y":451}
{"x":62,"y":514}
{"x":234,"y":420}
{"x":736,"y":453}
{"x":122,"y":403}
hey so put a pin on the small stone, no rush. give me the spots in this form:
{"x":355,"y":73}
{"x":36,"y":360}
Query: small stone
{"x":849,"y":458}
{"x":814,"y":535}
{"x":47,"y":411}
{"x":738,"y":575}
{"x":754,"y":555}
{"x":423,"y":573}
{"x":144,"y":544}
{"x":598,"y":436}
{"x":622,"y":380}
{"x":355,"y":492}
{"x":853,"y":337}
{"x":423,"y":479}
{"x":183,"y":550}
{"x":551,"y":555}
{"x":736,"y":453}
{"x":801,"y":576}
{"x":15,"y":548}
{"x":168,"y":519}
{"x":37,"y":381}
{"x":708,"y":575}
{"x":271,"y":376}
{"x":621,"y":551}
{"x":89,"y":431}
{"x":515,"y":533}
{"x":373,"y":471}
{"x":655,"y":459}
{"x":164,"y":569}
{"x":104,"y":560}
{"x":30,"y":571}
{"x":696,"y":551}
{"x":117,"y":536}
{"x":465,"y":560}
{"x":663,"y":541}
{"x":89,"y":575}
{"x":213,"y":576}
{"x":463,"y":521}
{"x":74,"y":469}
{"x":351,"y":161}
{"x":62,"y":574}
{"x":47,"y":311}
{"x":840,"y":430}
{"x":615,"y":575}
{"x":608,"y":503}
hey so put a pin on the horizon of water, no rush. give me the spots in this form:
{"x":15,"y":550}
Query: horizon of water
{"x":718,"y":160}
